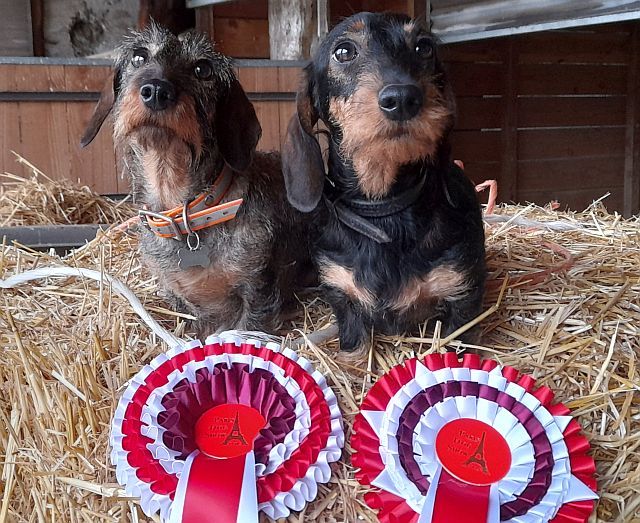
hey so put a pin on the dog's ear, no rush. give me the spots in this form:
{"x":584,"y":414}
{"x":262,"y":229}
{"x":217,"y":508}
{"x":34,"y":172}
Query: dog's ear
{"x":302,"y":163}
{"x":237,"y":128}
{"x":103,"y":108}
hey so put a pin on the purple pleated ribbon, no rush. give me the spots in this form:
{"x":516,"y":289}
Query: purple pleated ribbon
{"x":543,"y":467}
{"x":235,"y":384}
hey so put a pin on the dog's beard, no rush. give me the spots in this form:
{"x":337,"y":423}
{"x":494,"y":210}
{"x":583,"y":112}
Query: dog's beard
{"x":377,"y":146}
{"x":134,"y":121}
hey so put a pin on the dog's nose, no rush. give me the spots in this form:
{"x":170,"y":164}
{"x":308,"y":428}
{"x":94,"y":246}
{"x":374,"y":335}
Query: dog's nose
{"x":400,"y":102}
{"x":157,"y":95}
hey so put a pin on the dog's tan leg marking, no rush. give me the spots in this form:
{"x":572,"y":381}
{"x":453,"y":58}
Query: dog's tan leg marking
{"x":342,"y":278}
{"x":203,"y":286}
{"x":441,"y":283}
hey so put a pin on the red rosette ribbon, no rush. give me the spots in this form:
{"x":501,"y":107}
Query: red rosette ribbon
{"x":231,"y":426}
{"x":443,"y":440}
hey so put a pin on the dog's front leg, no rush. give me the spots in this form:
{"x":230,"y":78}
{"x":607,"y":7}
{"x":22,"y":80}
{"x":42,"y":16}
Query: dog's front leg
{"x":459,"y":312}
{"x":354,"y":324}
{"x":261,"y":304}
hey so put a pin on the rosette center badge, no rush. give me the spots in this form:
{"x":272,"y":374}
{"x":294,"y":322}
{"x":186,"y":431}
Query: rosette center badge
{"x":233,"y":425}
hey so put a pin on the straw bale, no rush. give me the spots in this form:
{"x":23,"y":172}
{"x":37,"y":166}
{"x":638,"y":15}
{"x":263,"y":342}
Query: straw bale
{"x":562,"y":304}
{"x":39,"y":200}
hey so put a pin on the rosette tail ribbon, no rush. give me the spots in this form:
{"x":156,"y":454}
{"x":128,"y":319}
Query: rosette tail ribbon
{"x":216,"y":489}
{"x":449,"y":441}
{"x":221,"y":475}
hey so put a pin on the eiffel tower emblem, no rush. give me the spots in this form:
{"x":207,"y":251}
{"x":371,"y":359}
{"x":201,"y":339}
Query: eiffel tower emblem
{"x":235,"y":434}
{"x":478,"y":456}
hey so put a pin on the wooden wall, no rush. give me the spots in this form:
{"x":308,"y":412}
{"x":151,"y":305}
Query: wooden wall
{"x":547,"y":114}
{"x":551,"y":116}
{"x":241,"y":28}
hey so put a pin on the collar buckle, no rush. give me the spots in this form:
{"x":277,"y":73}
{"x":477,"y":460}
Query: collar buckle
{"x":175,"y":229}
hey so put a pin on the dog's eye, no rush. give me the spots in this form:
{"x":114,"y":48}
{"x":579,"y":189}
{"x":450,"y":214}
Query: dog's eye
{"x":345,"y":52}
{"x":424,"y":47}
{"x":139,"y":57}
{"x":203,"y":70}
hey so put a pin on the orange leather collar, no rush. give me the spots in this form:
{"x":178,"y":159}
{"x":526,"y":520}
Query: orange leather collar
{"x":200,"y":213}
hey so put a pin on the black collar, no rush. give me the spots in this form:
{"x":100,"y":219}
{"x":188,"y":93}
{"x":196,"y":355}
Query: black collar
{"x":353,"y":212}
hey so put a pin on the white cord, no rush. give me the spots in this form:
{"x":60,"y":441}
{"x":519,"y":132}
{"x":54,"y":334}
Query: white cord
{"x":117,"y":285}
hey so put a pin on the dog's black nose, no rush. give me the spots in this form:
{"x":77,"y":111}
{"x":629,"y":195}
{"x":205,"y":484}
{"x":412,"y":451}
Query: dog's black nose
{"x":400,"y":102}
{"x":157,"y":95}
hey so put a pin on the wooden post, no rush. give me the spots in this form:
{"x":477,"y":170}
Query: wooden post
{"x":417,"y":8}
{"x":509,"y":174}
{"x":37,"y":25}
{"x":631,"y":200}
{"x":293,"y":28}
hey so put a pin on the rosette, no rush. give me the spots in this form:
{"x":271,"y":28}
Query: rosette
{"x":234,"y":424}
{"x":443,"y":440}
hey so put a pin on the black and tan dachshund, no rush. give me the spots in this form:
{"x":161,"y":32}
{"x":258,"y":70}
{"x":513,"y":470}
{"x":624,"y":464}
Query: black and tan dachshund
{"x":218,"y":231}
{"x":402,"y":239}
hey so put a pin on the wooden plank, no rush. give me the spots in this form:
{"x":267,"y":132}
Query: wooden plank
{"x":289,"y":79}
{"x":571,"y":143}
{"x":485,"y":51}
{"x":416,"y":8}
{"x":578,"y":47}
{"x":9,"y":137}
{"x":242,"y":38}
{"x":44,"y":137}
{"x":243,"y":9}
{"x":509,"y":173}
{"x":476,"y":79}
{"x":576,"y":199}
{"x":339,"y":9}
{"x":477,"y":112}
{"x":269,"y":116}
{"x":632,"y":133}
{"x":549,"y":111}
{"x":205,"y":20}
{"x":550,"y":79}
{"x":393,"y":6}
{"x":85,"y":78}
{"x":35,"y":77}
{"x":478,"y":172}
{"x":259,"y":79}
{"x":569,"y":174}
{"x":477,"y":146}
{"x":286,"y":110}
{"x":95,"y":165}
{"x":37,"y":27}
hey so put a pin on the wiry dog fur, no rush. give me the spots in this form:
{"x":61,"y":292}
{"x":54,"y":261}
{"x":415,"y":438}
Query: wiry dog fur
{"x":176,"y":153}
{"x":434,"y":266}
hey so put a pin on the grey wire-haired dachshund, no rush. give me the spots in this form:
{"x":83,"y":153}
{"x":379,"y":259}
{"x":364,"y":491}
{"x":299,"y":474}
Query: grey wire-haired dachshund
{"x":217,"y":229}
{"x":402,"y":238}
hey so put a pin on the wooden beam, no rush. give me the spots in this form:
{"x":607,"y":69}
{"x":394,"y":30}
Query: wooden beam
{"x":37,"y":27}
{"x":632,"y":134}
{"x":417,"y":8}
{"x":509,"y":176}
{"x":293,"y":28}
{"x":205,"y":20}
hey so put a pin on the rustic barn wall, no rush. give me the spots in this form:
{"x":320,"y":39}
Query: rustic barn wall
{"x":546,"y":113}
{"x":551,"y":116}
